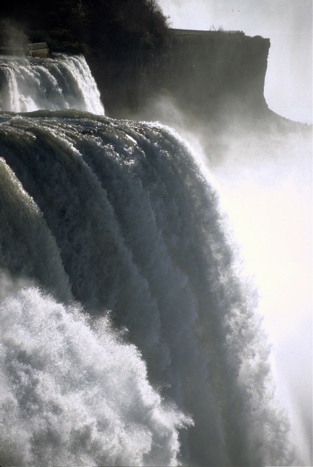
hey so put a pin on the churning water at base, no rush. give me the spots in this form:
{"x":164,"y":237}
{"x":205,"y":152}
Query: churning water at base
{"x":76,"y":396}
{"x":128,"y":337}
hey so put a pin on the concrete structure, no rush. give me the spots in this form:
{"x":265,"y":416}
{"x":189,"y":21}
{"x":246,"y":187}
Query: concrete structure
{"x":39,"y":49}
{"x":197,"y":32}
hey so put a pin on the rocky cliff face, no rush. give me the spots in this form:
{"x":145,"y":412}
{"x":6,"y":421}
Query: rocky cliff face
{"x":205,"y":73}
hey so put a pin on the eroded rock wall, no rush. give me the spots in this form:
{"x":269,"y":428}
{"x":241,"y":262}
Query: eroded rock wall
{"x":205,"y":73}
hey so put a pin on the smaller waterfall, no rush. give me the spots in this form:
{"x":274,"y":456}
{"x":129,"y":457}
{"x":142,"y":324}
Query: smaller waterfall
{"x":61,"y":82}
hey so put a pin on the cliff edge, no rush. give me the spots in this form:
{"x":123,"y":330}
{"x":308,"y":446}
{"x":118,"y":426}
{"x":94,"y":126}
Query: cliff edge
{"x":204,"y":73}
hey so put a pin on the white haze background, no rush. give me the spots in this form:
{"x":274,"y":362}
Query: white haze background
{"x":267,"y":190}
{"x":288,"y":24}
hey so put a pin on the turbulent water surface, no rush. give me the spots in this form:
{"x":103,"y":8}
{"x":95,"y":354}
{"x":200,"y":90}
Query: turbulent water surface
{"x":127,"y":337}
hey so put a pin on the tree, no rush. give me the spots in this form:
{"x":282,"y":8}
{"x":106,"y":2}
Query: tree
{"x":106,"y":26}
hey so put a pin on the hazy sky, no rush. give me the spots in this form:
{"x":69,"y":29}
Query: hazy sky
{"x":270,"y":205}
{"x":288,"y":24}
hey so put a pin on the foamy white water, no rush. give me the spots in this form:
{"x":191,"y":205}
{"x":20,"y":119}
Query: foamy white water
{"x":71,"y":395}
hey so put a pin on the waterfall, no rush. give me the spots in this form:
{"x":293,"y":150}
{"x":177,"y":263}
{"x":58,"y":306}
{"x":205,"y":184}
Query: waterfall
{"x":61,"y":82}
{"x":129,"y":337}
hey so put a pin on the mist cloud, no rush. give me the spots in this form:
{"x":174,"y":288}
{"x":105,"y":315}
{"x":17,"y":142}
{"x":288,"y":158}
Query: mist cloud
{"x":12,"y":34}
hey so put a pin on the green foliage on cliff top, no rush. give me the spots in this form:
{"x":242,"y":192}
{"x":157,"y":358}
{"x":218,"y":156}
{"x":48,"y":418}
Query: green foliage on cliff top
{"x":109,"y":27}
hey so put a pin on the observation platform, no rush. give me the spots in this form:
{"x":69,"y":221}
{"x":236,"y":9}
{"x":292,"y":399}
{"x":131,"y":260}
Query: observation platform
{"x":38,"y":49}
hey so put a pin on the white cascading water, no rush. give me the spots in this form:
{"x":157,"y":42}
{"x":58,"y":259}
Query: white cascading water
{"x":128,"y":337}
{"x":62,"y":82}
